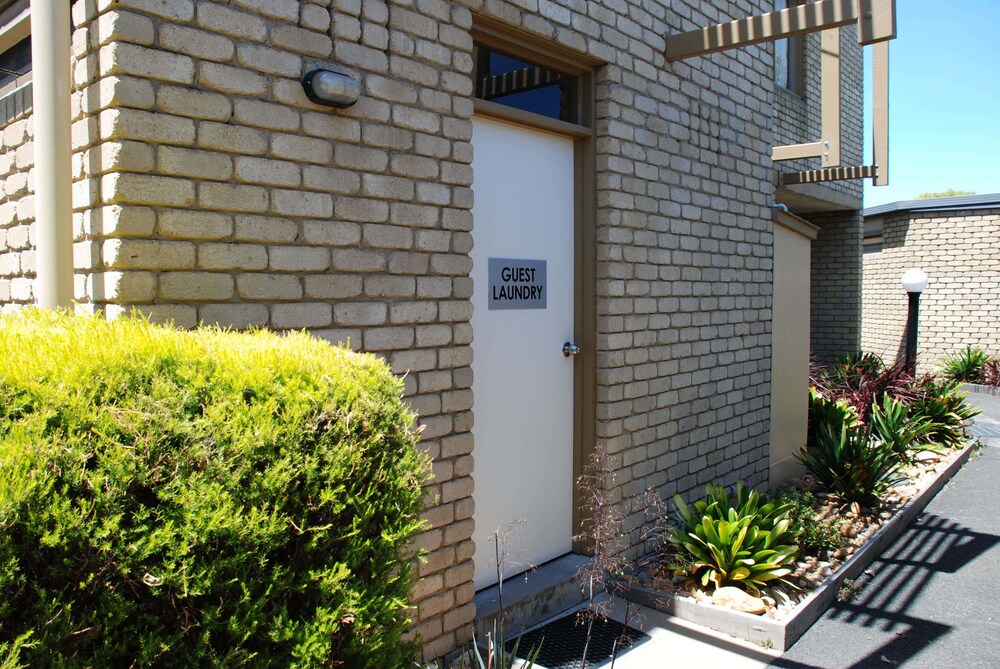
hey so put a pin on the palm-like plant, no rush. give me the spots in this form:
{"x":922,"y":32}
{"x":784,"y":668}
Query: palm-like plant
{"x":835,"y":411}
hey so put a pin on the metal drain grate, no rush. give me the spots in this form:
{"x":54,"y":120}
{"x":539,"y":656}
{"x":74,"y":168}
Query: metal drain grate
{"x":563,"y":641}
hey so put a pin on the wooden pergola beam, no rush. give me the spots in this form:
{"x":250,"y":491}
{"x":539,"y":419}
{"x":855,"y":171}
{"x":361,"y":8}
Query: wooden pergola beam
{"x":797,"y":151}
{"x":876,"y":21}
{"x":830,"y":96}
{"x":880,"y":112}
{"x":828,"y":174}
{"x":828,"y":148}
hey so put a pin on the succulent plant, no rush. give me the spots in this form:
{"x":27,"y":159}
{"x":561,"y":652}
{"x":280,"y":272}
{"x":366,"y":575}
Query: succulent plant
{"x":745,"y":542}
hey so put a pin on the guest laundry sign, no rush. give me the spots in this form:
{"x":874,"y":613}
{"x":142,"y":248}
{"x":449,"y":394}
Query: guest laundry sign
{"x":516,"y":284}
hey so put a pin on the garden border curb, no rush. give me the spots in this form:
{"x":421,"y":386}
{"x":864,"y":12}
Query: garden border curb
{"x":782,"y":634}
{"x":978,"y":389}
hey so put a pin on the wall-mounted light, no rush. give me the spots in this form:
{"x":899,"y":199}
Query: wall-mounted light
{"x":331,"y":87}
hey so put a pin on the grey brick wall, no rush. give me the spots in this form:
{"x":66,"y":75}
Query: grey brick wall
{"x":836,"y":274}
{"x":836,"y":285}
{"x":684,"y":253}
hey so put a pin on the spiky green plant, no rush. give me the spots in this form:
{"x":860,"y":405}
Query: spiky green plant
{"x":903,"y":430}
{"x":965,"y":365}
{"x":851,"y":464}
{"x":746,"y":542}
{"x":825,"y":411}
{"x":497,"y":655}
{"x":944,"y":404}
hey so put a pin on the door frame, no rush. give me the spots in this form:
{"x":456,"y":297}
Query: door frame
{"x":519,"y":44}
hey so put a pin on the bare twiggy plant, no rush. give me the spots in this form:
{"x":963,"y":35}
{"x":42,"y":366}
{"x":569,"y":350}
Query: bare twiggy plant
{"x":497,"y":655}
{"x":604,"y":530}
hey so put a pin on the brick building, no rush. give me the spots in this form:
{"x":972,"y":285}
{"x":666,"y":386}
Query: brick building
{"x":956,"y":241}
{"x":626,"y":202}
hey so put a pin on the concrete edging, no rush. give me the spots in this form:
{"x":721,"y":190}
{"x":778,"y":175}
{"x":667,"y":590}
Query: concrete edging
{"x":782,"y":634}
{"x":532,"y":598}
{"x":978,"y":389}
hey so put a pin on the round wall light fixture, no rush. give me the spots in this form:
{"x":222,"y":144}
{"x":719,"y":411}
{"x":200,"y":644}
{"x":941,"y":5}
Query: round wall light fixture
{"x":331,"y":87}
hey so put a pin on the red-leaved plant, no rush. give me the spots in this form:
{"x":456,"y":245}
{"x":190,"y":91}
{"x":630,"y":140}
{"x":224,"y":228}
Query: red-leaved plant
{"x":863,"y":380}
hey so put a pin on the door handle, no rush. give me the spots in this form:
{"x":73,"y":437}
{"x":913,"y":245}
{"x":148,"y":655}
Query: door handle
{"x":569,"y":349}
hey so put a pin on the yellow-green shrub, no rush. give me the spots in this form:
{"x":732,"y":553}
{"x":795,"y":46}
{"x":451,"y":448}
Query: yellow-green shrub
{"x":206,"y":498}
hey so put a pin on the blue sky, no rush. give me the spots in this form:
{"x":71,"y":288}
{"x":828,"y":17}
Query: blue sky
{"x":944,"y":100}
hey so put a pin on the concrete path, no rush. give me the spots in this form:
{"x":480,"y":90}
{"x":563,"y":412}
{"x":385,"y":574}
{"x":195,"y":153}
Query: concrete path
{"x":930,"y":601}
{"x":675,"y":644}
{"x":987,"y":424}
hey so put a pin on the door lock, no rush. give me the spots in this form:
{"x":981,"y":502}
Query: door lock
{"x":569,"y":348}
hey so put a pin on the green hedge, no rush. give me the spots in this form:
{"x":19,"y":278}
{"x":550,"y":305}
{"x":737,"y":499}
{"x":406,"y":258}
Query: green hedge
{"x":196,"y":499}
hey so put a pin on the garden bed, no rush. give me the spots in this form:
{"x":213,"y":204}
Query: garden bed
{"x":780,"y":628}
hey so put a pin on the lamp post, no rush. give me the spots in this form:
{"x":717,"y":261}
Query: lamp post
{"x":914,"y":281}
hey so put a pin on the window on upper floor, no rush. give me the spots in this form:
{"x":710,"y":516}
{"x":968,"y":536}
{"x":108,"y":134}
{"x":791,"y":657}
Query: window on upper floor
{"x":789,"y":56}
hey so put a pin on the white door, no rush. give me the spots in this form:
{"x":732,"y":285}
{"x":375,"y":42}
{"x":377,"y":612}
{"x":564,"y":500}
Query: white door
{"x":523,"y":314}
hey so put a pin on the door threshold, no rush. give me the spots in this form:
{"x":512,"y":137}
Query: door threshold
{"x":532,"y":597}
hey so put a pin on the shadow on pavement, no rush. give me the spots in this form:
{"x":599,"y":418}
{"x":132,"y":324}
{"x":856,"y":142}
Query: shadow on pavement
{"x":934,"y":545}
{"x":907,"y":643}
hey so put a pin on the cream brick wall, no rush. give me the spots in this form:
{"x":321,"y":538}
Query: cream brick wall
{"x":960,"y":252}
{"x":217,"y":193}
{"x":210,"y":190}
{"x":17,"y":212}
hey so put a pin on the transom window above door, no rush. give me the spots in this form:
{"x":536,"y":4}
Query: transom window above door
{"x":515,"y":82}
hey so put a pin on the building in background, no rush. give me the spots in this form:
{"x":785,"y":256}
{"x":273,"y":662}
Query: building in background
{"x":956,"y":241}
{"x":566,"y":242}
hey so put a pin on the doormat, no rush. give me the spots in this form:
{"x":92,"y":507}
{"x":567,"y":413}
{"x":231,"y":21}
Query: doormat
{"x":563,"y":640}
